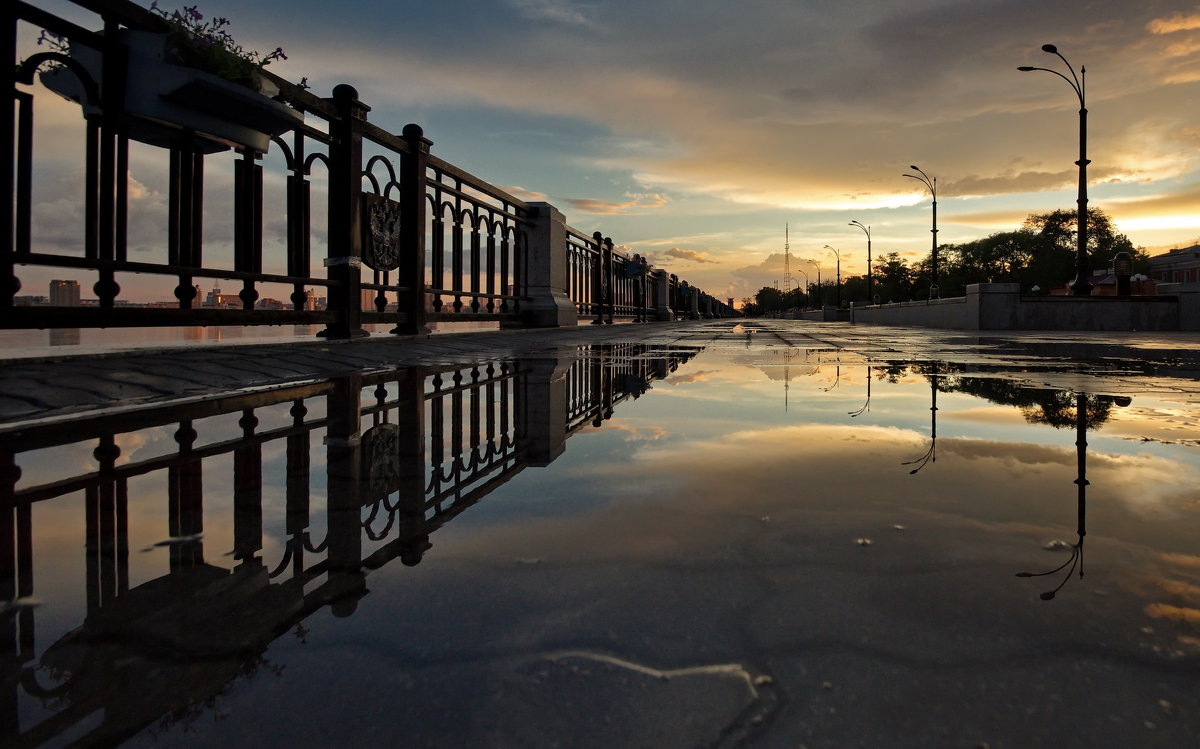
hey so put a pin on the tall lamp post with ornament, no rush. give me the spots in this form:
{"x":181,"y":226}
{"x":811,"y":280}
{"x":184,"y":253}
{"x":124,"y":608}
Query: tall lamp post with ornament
{"x":867,"y":229}
{"x":1081,"y":286}
{"x":931,"y":184}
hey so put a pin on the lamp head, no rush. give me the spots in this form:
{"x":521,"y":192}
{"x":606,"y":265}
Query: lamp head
{"x":1050,"y":48}
{"x":1025,"y":68}
{"x":914,"y":168}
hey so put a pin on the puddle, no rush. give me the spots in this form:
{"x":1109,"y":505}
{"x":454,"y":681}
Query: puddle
{"x":753,"y":543}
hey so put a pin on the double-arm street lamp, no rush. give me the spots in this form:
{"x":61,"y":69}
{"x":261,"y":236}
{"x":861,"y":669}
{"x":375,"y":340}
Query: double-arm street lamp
{"x":839,"y":274}
{"x":820,"y":289}
{"x":867,"y":229}
{"x":1081,"y":286}
{"x":931,"y":184}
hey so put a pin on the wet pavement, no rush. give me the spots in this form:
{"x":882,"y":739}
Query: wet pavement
{"x":718,"y":533}
{"x":63,"y":385}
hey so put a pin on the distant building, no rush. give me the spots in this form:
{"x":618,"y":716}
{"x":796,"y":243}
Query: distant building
{"x":217,"y":299}
{"x":1177,"y":266}
{"x":64,"y":293}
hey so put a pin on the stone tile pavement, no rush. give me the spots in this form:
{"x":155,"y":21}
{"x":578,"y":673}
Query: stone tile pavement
{"x":33,"y":389}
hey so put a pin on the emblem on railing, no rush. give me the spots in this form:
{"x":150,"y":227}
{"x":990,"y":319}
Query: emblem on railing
{"x":380,"y":461}
{"x":381,"y":243}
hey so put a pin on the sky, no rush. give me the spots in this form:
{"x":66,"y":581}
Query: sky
{"x":695,"y":131}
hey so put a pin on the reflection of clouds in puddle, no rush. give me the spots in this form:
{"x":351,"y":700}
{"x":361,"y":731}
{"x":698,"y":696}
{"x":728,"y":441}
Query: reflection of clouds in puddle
{"x":634,"y":432}
{"x":684,"y":379}
{"x":832,"y":461}
{"x":1176,"y":614}
{"x":1168,"y":425}
{"x":1006,"y":415}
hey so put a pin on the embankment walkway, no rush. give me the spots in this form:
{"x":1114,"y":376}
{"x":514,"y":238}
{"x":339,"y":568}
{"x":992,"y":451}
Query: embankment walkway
{"x":36,"y":389}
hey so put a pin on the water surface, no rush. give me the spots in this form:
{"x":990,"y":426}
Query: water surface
{"x":752,"y":544}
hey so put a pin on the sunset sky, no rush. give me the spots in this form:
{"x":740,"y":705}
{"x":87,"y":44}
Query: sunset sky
{"x":693,"y":131}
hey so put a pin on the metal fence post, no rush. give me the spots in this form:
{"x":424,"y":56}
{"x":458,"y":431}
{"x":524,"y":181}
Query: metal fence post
{"x":344,"y":262}
{"x":411,"y":272}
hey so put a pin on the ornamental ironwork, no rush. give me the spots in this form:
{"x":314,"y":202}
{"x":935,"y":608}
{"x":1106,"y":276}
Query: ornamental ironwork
{"x":380,"y":461}
{"x":381,"y":245}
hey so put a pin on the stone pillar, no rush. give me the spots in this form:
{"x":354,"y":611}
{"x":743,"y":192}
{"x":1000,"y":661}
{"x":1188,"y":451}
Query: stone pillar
{"x":547,"y":304}
{"x":693,"y":302}
{"x":663,"y":281}
{"x":992,"y":306}
{"x":544,"y":410}
{"x":1188,"y":295}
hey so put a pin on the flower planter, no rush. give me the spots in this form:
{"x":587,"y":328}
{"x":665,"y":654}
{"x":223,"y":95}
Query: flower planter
{"x":165,"y":101}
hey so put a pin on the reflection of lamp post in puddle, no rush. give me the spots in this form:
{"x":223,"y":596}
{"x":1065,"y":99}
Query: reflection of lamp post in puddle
{"x":930,"y":455}
{"x":837,"y":378}
{"x":865,"y":406}
{"x":1076,"y":558}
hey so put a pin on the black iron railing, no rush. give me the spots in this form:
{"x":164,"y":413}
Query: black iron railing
{"x":408,"y":238}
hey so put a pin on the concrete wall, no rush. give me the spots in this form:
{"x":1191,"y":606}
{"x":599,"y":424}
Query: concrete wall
{"x":1001,"y":306}
{"x":933,"y":313}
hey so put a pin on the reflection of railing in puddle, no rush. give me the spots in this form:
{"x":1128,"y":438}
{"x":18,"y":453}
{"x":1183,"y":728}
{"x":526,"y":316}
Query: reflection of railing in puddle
{"x":405,"y":451}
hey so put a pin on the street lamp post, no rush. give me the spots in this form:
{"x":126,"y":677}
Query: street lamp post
{"x":839,"y":274}
{"x":867,"y":229}
{"x":1081,"y":286}
{"x":820,"y":288}
{"x":931,"y":184}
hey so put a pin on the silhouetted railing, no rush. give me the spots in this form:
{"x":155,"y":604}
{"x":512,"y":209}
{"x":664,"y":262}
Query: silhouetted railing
{"x":408,"y":238}
{"x":404,"y":452}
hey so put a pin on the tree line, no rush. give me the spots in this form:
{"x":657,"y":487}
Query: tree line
{"x":1039,"y":256}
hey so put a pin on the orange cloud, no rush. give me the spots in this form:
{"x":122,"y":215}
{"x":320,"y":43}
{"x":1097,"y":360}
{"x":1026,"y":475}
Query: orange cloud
{"x":1176,"y":22}
{"x":523,"y":194}
{"x":696,"y":257}
{"x":635,"y":205}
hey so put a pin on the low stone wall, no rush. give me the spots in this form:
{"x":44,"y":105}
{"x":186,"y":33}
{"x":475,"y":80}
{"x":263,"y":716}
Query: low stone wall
{"x":1001,"y":306}
{"x":932,"y":313}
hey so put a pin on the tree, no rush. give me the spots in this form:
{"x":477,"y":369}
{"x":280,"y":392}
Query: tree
{"x":1041,"y":253}
{"x":1057,"y":236}
{"x":892,"y":279}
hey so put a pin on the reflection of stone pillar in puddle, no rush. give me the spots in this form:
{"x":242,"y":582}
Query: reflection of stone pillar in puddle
{"x":342,"y":459}
{"x":544,"y":410}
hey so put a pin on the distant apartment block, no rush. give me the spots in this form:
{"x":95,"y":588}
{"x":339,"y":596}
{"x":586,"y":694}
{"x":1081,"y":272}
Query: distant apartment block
{"x":64,"y":293}
{"x":1177,"y":266}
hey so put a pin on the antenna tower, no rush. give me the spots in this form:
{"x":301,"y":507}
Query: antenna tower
{"x":787,"y":261}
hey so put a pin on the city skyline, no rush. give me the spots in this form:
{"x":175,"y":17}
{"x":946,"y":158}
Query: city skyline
{"x":693,"y":134}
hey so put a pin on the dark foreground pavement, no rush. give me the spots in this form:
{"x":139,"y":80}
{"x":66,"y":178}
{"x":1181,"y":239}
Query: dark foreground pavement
{"x":36,"y":389}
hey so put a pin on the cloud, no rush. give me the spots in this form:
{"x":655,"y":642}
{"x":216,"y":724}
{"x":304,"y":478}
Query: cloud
{"x":523,"y":194}
{"x":635,"y":205}
{"x":555,"y":11}
{"x":692,"y":255}
{"x":1175,"y":22}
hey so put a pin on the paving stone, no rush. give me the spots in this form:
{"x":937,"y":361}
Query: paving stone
{"x":32,"y":388}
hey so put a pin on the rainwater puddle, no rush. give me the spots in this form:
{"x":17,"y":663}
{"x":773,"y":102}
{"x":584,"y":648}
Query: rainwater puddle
{"x":626,"y":546}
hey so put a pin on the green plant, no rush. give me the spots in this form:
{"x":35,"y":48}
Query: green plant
{"x":207,"y":45}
